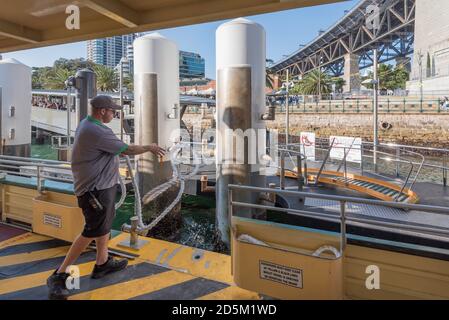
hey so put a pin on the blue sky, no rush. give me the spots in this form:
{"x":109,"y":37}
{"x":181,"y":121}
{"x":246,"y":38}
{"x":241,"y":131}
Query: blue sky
{"x":285,"y":30}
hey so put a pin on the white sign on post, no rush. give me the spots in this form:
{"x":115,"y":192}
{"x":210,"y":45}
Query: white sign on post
{"x":308,"y":145}
{"x":342,"y":144}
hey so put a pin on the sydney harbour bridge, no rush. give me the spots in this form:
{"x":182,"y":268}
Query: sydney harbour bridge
{"x":347,"y":46}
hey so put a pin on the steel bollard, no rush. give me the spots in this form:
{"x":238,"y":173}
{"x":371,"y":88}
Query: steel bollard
{"x":134,"y":237}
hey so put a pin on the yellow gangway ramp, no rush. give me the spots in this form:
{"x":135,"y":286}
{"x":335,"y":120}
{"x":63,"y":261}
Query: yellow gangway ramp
{"x":286,"y":262}
{"x":382,"y":190}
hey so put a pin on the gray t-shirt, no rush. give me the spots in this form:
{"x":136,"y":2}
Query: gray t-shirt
{"x":95,"y":161}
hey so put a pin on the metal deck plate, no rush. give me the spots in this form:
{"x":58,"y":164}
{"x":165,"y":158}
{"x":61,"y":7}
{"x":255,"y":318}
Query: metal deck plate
{"x":163,"y":270}
{"x":382,"y":213}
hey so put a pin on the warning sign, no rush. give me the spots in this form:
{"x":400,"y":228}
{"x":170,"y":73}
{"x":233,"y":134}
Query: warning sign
{"x":285,"y":275}
{"x":52,"y":220}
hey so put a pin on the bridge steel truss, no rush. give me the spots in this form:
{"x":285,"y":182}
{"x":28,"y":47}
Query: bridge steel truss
{"x":393,"y":38}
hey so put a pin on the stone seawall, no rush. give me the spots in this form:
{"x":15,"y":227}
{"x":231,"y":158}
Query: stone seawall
{"x":430,"y":130}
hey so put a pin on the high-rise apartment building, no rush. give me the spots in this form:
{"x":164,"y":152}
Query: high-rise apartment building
{"x":109,"y":51}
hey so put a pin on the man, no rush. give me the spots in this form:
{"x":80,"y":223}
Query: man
{"x":95,"y":167}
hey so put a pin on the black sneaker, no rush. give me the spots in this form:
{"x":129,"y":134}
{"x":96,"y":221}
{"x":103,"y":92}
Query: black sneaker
{"x":57,"y":289}
{"x":110,"y":266}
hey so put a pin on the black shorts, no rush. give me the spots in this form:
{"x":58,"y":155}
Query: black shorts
{"x":98,"y":223}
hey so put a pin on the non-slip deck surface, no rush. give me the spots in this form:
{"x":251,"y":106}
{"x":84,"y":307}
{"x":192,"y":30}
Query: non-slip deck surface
{"x":163,"y":271}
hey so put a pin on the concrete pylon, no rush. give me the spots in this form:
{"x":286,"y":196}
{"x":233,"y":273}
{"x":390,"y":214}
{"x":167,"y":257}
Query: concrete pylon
{"x":156,"y":96}
{"x":351,"y":73}
{"x":240,"y":47}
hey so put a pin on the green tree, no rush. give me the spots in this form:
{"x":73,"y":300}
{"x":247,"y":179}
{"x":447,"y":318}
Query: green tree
{"x":315,"y":83}
{"x":73,"y":64}
{"x":57,"y":77}
{"x":106,"y":78}
{"x":390,"y":78}
{"x":39,"y":77}
{"x":339,"y":83}
{"x":53,"y":77}
{"x":128,"y":82}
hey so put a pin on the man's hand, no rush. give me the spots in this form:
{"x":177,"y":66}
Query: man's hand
{"x":155,"y":149}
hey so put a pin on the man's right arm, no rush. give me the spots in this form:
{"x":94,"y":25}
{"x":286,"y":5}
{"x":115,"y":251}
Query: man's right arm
{"x":138,"y":149}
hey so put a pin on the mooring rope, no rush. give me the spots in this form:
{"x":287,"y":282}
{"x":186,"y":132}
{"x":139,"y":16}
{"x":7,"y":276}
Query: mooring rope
{"x":154,"y":193}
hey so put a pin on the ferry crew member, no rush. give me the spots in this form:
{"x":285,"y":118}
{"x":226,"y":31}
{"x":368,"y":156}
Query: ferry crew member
{"x":95,"y":167}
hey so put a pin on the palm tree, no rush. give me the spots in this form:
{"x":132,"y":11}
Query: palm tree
{"x":106,"y":78}
{"x":339,"y":83}
{"x":57,"y":77}
{"x":39,"y":77}
{"x":315,"y":83}
{"x":128,"y":82}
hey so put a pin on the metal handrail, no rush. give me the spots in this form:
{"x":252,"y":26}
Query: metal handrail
{"x":345,"y":155}
{"x":404,"y":185}
{"x":11,"y":163}
{"x":232,"y":203}
{"x":397,"y":159}
{"x":289,"y":152}
{"x":398,"y":205}
{"x":417,"y":172}
{"x":343,"y":200}
{"x":324,"y":161}
{"x":33,"y":159}
{"x":391,"y":145}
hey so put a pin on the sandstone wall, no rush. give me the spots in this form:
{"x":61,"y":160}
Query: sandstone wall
{"x":430,"y":130}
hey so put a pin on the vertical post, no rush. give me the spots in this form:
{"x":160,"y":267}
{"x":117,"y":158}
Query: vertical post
{"x":398,"y":154}
{"x":345,"y":166}
{"x":69,"y":100}
{"x":306,"y":181}
{"x":361,"y":158}
{"x":319,"y":83}
{"x":287,"y":111}
{"x":38,"y":177}
{"x":299,"y":173}
{"x":282,"y":176}
{"x":133,"y":238}
{"x":342,"y":226}
{"x":375,"y":109}
{"x":230,"y":212}
{"x":121,"y":99}
{"x":420,"y":56}
{"x":444,"y":171}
